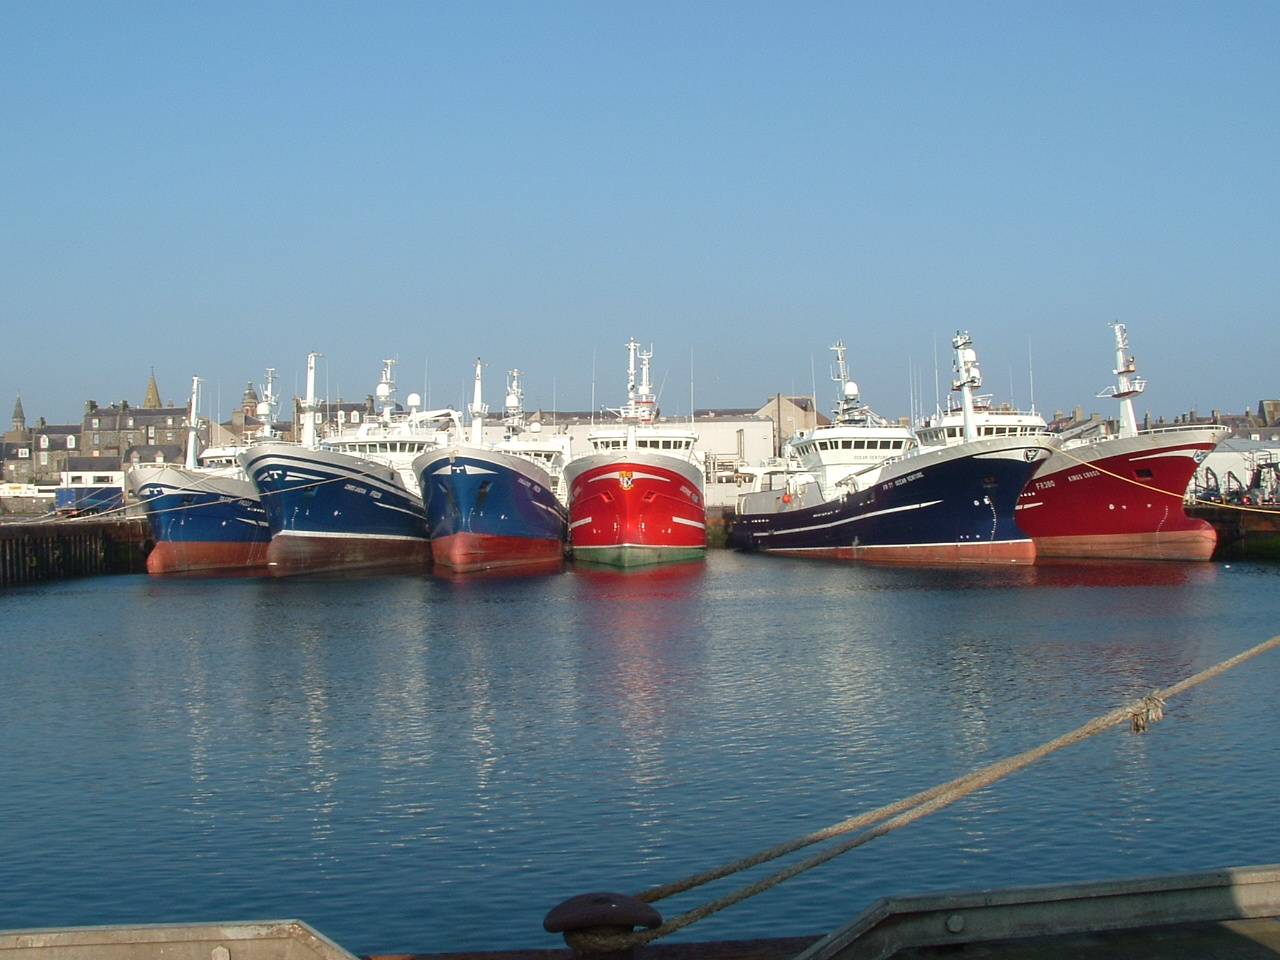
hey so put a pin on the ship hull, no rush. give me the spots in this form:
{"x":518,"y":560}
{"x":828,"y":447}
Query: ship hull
{"x":487,"y":510}
{"x":469,"y":552}
{"x":202,"y":522}
{"x":953,"y":505}
{"x":170,"y":557}
{"x":331,"y":512}
{"x":635,"y":509}
{"x":1120,"y":498}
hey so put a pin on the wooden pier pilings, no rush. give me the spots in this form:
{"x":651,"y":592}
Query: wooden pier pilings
{"x":50,"y":550}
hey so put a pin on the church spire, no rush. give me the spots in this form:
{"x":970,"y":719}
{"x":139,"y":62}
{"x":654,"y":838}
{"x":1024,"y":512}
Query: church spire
{"x":19,"y":417}
{"x":152,"y":399}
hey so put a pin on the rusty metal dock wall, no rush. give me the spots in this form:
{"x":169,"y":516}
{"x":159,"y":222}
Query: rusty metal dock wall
{"x":51,"y":550}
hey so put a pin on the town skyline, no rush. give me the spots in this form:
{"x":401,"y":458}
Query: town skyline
{"x":213,"y":189}
{"x":220,"y":408}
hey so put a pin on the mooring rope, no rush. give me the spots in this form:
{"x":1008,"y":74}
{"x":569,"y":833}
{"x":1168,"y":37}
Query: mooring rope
{"x":122,"y":511}
{"x":1139,"y":714}
{"x":1168,"y":493}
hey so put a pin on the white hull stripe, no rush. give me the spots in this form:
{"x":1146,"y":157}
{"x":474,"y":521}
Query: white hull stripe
{"x":335,"y":535}
{"x":467,"y":468}
{"x":864,"y":516}
{"x":689,"y":523}
{"x":904,"y":546}
{"x":635,"y":475}
{"x":391,"y":506}
{"x":577,"y":523}
{"x":1184,"y":452}
{"x":361,"y":479}
{"x":1017,"y":453}
{"x":640,"y":546}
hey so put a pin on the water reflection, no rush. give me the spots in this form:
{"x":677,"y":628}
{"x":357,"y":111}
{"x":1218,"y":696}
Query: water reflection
{"x":640,"y":632}
{"x":1121,"y":573}
{"x":1043,"y":573}
{"x":651,"y":574}
{"x":544,"y":568}
{"x":414,"y":763}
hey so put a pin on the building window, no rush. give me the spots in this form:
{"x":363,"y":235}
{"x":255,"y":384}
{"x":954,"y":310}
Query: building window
{"x":44,"y":458}
{"x":44,"y":441}
{"x":24,"y":453}
{"x":71,"y":441}
{"x":130,"y":422}
{"x":355,"y":416}
{"x":97,"y":439}
{"x":95,"y":423}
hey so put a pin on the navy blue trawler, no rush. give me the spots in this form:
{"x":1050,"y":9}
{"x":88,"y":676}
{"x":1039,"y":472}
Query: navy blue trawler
{"x":499,"y":505}
{"x":204,"y":513}
{"x":864,"y":488}
{"x":348,"y":501}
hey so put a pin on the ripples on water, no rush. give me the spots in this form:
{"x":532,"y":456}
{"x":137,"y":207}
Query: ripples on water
{"x":430,"y":764}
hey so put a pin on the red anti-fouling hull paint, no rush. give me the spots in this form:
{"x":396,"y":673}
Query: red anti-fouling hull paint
{"x":1120,"y":498}
{"x":636,"y":500}
{"x":1196,"y":544}
{"x":293,"y":555}
{"x":1000,"y":551}
{"x":467,"y":552}
{"x":177,"y":556}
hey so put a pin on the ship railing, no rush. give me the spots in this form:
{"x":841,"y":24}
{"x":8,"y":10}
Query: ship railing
{"x":1181,"y":428}
{"x":1146,"y":432}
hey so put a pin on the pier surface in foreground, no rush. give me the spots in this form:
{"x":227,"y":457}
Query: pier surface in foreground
{"x":1257,"y":939}
{"x":776,"y":948}
{"x":1232,"y":914}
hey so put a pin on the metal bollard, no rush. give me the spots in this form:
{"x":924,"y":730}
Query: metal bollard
{"x":590,"y":921}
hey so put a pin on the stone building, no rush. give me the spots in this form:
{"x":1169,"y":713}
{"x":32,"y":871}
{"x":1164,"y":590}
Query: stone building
{"x":791,"y":415}
{"x":334,"y":415}
{"x":37,"y":454}
{"x":111,"y":431}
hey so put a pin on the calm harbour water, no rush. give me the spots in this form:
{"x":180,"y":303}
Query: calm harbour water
{"x":425,"y":764}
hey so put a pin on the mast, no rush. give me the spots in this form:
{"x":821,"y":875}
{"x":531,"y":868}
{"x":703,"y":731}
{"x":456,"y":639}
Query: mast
{"x":477,"y":410}
{"x":386,"y":390}
{"x":1128,"y":384}
{"x":631,"y":412}
{"x":266,"y":406}
{"x":193,"y":425}
{"x":847,"y":404}
{"x":309,"y":436}
{"x":513,"y":408}
{"x":645,"y":393}
{"x":969,"y":380}
{"x":640,"y":402}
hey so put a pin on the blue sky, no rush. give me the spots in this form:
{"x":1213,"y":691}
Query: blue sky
{"x":215,"y":188}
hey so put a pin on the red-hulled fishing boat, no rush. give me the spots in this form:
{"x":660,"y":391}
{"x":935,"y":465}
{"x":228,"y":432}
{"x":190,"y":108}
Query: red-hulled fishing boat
{"x":637,"y":498}
{"x":1121,"y":495}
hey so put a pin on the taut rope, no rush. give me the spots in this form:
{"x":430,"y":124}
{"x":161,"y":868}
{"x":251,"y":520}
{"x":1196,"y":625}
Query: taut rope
{"x":1139,"y":714}
{"x":1166,"y":493}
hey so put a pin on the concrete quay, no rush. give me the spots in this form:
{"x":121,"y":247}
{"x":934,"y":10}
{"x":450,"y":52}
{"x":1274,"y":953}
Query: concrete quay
{"x":1250,"y":533}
